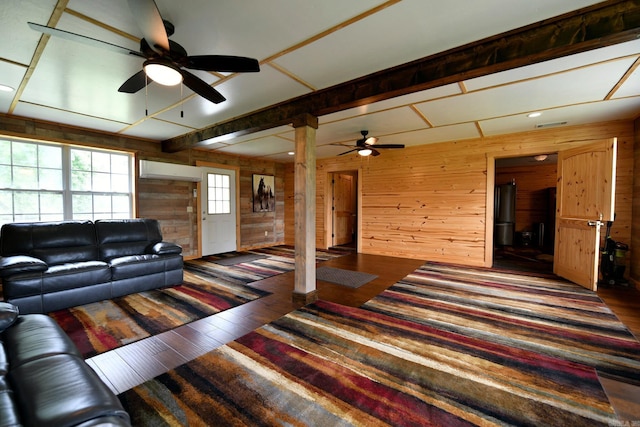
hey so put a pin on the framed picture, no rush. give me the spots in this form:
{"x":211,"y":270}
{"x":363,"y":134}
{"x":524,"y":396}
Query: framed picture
{"x":264,"y":199}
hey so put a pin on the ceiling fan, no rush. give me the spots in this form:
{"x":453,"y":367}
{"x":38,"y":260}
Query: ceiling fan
{"x":165,"y":60}
{"x":368,"y":147}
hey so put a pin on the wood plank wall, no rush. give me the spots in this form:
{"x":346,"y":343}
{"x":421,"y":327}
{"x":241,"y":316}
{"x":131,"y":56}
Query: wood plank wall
{"x":426,"y":202}
{"x":167,"y":200}
{"x":429,"y":202}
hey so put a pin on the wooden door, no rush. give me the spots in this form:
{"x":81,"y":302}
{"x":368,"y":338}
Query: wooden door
{"x":344,"y":208}
{"x":585,"y":198}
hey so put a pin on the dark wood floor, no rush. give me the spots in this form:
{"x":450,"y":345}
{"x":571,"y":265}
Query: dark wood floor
{"x":130,"y":365}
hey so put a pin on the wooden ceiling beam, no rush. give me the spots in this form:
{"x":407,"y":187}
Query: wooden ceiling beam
{"x":601,"y":25}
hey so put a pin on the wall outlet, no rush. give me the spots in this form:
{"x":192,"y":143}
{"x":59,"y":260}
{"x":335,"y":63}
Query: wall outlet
{"x":266,"y":233}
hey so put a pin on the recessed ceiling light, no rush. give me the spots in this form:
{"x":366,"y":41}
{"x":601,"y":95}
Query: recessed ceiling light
{"x":291,"y":153}
{"x":5,"y":88}
{"x":534,"y":114}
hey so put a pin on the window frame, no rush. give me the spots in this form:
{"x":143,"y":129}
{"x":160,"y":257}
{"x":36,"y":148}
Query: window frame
{"x":9,"y":189}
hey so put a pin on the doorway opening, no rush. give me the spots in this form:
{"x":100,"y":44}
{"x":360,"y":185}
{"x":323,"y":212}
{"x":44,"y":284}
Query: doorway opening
{"x":524,"y":213}
{"x":344,"y":207}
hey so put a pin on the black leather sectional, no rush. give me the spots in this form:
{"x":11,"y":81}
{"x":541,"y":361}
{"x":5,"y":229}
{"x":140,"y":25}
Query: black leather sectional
{"x":45,"y":382}
{"x":49,"y":266}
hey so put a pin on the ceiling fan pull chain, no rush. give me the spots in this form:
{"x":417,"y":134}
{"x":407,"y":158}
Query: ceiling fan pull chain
{"x":181,"y":103}
{"x":146,"y":98}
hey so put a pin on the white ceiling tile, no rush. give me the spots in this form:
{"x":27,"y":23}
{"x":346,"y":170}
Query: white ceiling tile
{"x":18,"y":40}
{"x":631,"y":86}
{"x":66,"y":117}
{"x":244,"y":92}
{"x":156,"y":129}
{"x":267,"y":145}
{"x":378,"y":124}
{"x":574,"y":115}
{"x":413,"y":98}
{"x":555,"y":66}
{"x":531,"y":95}
{"x":12,"y":75}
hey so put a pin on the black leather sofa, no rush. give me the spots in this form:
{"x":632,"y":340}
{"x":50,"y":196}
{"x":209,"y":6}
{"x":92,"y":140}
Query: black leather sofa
{"x":45,"y":382}
{"x":48,"y":266}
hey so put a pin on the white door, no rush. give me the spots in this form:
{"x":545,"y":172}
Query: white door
{"x":218,"y":206}
{"x":585,"y":198}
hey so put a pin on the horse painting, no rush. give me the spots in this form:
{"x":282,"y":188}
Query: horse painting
{"x":263,"y":197}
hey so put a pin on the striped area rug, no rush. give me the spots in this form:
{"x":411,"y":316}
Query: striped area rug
{"x":547,"y":316}
{"x":276,"y":260}
{"x":105,"y":325}
{"x":446,"y":346}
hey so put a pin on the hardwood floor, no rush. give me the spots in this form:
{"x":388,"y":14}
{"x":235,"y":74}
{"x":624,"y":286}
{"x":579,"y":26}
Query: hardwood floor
{"x":133,"y":364}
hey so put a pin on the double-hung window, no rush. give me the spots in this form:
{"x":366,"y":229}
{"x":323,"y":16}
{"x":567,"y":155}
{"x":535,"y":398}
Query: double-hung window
{"x":53,"y":182}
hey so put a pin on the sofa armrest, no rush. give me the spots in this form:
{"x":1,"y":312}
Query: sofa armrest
{"x":16,"y":264}
{"x":165,"y":248}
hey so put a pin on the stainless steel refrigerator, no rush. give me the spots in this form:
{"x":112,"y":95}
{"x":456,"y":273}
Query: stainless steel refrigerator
{"x":504,"y":214}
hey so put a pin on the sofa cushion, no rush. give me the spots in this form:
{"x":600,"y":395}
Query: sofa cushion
{"x":9,"y":415}
{"x":35,"y":336}
{"x":8,"y":315}
{"x":75,"y":275}
{"x":117,"y":238}
{"x":60,"y":391}
{"x":136,"y":265}
{"x":52,"y":242}
{"x":18,"y":264}
{"x":57,"y":256}
{"x":56,"y":278}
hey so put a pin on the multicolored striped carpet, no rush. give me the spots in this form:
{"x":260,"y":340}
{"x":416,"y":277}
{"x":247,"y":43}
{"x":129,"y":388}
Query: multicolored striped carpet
{"x":105,"y":325}
{"x":208,"y":288}
{"x":546,"y":316}
{"x":279,"y":259}
{"x":446,"y":346}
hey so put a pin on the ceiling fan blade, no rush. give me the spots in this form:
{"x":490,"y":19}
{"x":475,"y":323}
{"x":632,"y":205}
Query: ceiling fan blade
{"x":389,"y":146}
{"x":83,"y":39}
{"x":135,"y":82}
{"x":350,"y":151}
{"x":201,"y":87}
{"x":374,"y":152}
{"x":223,"y":63}
{"x":149,"y":20}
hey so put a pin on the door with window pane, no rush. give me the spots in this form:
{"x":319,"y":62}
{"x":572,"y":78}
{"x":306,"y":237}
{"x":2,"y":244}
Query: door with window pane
{"x":218,"y":211}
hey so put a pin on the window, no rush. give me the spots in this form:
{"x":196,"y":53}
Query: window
{"x":49,"y":182}
{"x":218,"y":194}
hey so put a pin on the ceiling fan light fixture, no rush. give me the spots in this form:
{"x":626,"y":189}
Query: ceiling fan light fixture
{"x":540,"y":157}
{"x":365,"y":152}
{"x":162,"y":72}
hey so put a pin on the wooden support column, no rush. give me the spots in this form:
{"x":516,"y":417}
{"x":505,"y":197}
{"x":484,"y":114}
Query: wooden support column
{"x":305,"y":209}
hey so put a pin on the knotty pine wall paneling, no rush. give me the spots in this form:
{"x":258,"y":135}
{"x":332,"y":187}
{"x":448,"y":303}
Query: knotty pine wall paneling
{"x":429,"y":201}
